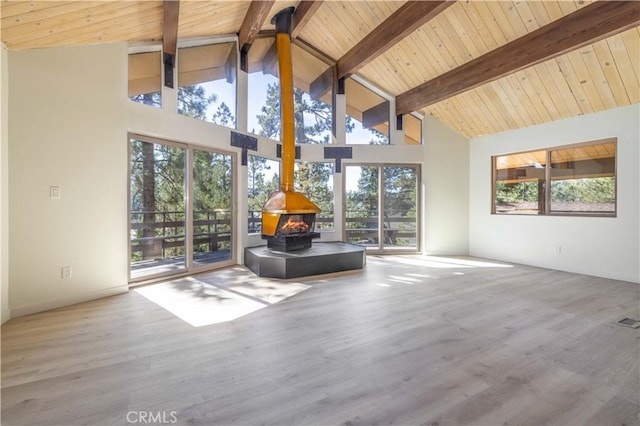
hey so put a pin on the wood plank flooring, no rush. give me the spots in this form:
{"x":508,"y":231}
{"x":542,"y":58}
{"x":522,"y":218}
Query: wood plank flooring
{"x":408,"y":340}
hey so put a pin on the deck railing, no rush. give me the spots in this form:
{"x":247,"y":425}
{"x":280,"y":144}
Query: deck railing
{"x":361,"y":227}
{"x":165,"y":234}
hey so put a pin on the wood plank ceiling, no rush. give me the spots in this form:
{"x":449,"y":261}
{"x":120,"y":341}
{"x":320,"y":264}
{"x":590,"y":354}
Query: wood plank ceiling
{"x":595,"y":77}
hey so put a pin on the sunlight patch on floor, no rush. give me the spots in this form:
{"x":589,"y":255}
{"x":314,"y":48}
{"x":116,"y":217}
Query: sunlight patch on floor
{"x":217,"y":298}
{"x":468,"y":262}
{"x":438,"y":262}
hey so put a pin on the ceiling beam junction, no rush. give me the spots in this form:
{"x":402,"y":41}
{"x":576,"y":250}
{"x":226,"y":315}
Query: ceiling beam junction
{"x":376,"y":115}
{"x":585,"y":26}
{"x":255,"y":17}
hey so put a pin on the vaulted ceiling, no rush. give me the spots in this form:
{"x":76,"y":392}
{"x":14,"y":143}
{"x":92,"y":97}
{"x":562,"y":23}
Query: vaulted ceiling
{"x":480,"y":67}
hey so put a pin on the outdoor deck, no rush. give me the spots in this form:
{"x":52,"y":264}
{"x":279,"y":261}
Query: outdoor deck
{"x":158,"y":246}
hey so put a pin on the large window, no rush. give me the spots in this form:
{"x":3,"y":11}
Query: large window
{"x":145,"y":81}
{"x":575,"y":180}
{"x":367,"y":115}
{"x":312,"y":115}
{"x":207,"y":83}
{"x":263,"y":176}
{"x":412,"y":129}
{"x":263,"y":104}
{"x":180,"y":208}
{"x":382,"y":206}
{"x":315,"y":180}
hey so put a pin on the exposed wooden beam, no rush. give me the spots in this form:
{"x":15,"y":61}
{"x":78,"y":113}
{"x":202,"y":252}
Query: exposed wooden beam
{"x":171,"y":11}
{"x":585,"y":26}
{"x":301,"y":16}
{"x":375,"y":115}
{"x":408,"y":18}
{"x":314,"y":51}
{"x":253,"y":20}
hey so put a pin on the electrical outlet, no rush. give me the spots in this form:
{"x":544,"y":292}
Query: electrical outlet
{"x":65,"y":272}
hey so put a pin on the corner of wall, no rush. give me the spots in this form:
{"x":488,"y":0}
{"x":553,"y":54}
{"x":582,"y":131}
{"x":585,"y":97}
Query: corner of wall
{"x":4,"y":187}
{"x":68,"y":130}
{"x":600,"y":246}
{"x":446,"y":190}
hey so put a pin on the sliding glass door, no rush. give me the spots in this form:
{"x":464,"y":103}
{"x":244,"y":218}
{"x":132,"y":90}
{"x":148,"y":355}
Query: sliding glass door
{"x":180,"y":208}
{"x":400,"y":207}
{"x":381,"y":207}
{"x":212,"y":207}
{"x":362,"y":212}
{"x":156,"y":208}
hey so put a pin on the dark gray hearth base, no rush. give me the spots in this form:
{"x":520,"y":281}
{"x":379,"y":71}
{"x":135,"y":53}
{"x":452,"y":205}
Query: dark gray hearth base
{"x":321,"y":258}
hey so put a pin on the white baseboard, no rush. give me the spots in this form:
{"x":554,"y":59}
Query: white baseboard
{"x":66,"y":301}
{"x":6,"y":315}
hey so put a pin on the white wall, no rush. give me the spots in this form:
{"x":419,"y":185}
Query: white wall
{"x":67,"y":129}
{"x":600,"y":246}
{"x":69,"y":120}
{"x":446,"y":180}
{"x":4,"y":187}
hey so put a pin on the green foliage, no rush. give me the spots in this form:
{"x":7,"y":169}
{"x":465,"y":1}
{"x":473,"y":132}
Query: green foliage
{"x":158,"y":183}
{"x":365,"y":199}
{"x":586,"y":190}
{"x":260,"y":188}
{"x":269,"y":119}
{"x":153,"y":99}
{"x":312,"y":118}
{"x":312,"y":180}
{"x":168,"y":170}
{"x":400,"y":192}
{"x":378,"y":138}
{"x":514,"y":192}
{"x":193,"y":101}
{"x":312,"y":125}
{"x":212,"y":181}
{"x":223,"y":116}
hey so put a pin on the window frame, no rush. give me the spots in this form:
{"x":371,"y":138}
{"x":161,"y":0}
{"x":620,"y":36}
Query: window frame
{"x":204,"y":43}
{"x":146,"y":49}
{"x":190,"y":267}
{"x":546,"y":210}
{"x":333,"y":192}
{"x":381,"y":247}
{"x":376,"y":91}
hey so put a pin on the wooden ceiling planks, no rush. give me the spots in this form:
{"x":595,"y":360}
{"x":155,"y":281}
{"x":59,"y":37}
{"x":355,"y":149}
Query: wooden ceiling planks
{"x":599,"y":76}
{"x":90,"y":22}
{"x":555,"y":89}
{"x":624,"y":63}
{"x":337,"y":26}
{"x":571,"y":32}
{"x":396,"y":27}
{"x":207,"y":18}
{"x":302,"y":15}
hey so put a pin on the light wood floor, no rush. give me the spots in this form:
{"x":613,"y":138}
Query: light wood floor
{"x":406,"y":341}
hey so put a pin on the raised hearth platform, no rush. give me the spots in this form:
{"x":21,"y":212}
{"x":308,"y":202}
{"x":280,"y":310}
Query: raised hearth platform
{"x":321,"y":258}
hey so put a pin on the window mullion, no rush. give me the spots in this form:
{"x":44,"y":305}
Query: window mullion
{"x":547,"y":184}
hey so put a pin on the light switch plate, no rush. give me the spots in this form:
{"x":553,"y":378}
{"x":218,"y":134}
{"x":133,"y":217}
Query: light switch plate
{"x":54,"y":192}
